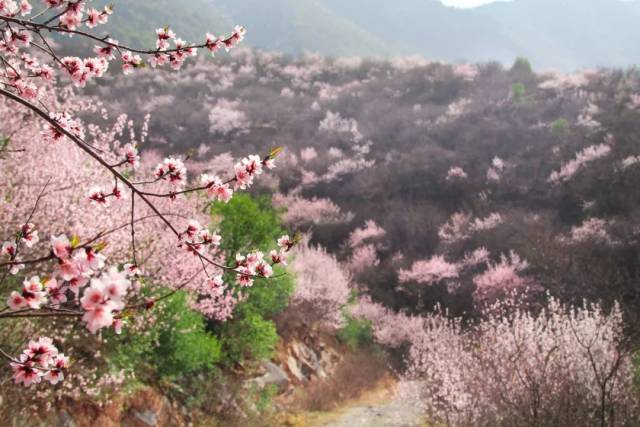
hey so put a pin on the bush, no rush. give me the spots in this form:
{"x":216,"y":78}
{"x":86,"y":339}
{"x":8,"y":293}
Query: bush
{"x":356,"y":333}
{"x":518,"y":91}
{"x":248,"y":223}
{"x":248,"y":337}
{"x":522,"y":66}
{"x":559,"y":127}
{"x":176,"y":344}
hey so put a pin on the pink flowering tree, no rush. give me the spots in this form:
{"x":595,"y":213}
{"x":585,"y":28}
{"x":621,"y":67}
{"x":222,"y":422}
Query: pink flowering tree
{"x":561,"y":366}
{"x":86,"y":220}
{"x":323,"y":286}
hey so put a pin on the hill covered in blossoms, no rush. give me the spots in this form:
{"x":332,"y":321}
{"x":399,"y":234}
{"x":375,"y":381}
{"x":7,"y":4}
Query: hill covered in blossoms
{"x":537,"y":171}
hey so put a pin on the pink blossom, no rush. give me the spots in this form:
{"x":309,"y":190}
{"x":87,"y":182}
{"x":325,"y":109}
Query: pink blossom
{"x":24,"y":372}
{"x":370,"y":231}
{"x":164,"y":35}
{"x":9,"y":249}
{"x":115,"y":285}
{"x":173,"y":170}
{"x":16,"y":301}
{"x":322,"y":284}
{"x":61,"y":246}
{"x":107,"y":51}
{"x":216,"y":189}
{"x":279,"y":257}
{"x":94,"y":296}
{"x":99,"y":316}
{"x":129,"y":62}
{"x":98,"y":197}
{"x":364,"y":257}
{"x":430,"y":272}
{"x":592,"y":229}
{"x":285,"y":242}
{"x":55,"y":374}
{"x":213,"y":43}
{"x":456,"y":173}
{"x":501,"y":278}
{"x":487,"y":223}
{"x":588,"y":155}
{"x":55,"y":291}
{"x":25,"y":8}
{"x":131,"y":156}
{"x":456,"y":228}
{"x":29,"y":235}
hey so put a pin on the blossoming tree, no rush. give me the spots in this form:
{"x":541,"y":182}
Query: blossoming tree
{"x":95,"y":277}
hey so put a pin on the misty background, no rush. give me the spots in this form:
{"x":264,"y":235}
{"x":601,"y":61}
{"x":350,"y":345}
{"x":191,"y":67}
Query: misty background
{"x":553,"y":34}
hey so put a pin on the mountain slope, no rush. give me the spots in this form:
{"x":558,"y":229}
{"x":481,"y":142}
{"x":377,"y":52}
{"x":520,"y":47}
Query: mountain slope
{"x":290,"y":26}
{"x":295,"y":26}
{"x":563,"y":34}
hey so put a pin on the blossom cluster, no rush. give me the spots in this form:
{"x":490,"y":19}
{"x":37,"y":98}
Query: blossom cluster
{"x":41,"y":359}
{"x":588,"y":155}
{"x":78,"y":270}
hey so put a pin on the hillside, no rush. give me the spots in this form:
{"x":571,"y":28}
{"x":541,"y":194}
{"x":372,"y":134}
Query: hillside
{"x":288,"y":26}
{"x":379,"y":140}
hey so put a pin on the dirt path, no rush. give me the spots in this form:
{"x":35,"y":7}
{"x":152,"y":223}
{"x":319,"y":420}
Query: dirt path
{"x":380,"y":407}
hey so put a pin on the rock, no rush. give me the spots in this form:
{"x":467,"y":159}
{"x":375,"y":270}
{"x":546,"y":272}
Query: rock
{"x":295,"y":370}
{"x":307,"y":360}
{"x":65,"y":419}
{"x":273,"y":375}
{"x":149,"y":409}
{"x":148,"y":418}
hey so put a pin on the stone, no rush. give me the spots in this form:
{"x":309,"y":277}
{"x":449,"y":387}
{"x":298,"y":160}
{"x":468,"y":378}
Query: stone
{"x":273,"y":375}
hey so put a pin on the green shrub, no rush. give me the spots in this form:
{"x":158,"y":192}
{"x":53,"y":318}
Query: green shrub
{"x":176,"y":344}
{"x":249,"y":223}
{"x":185,"y":345}
{"x":356,"y":333}
{"x":518,"y":91}
{"x":249,"y":336}
{"x":559,"y":127}
{"x":522,"y":66}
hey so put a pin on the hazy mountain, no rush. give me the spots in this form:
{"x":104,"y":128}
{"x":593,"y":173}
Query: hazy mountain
{"x":564,"y":34}
{"x":551,"y":33}
{"x":290,"y":26}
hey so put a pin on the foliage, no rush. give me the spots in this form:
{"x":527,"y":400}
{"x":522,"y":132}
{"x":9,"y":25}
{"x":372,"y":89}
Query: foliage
{"x":356,"y":333}
{"x":247,"y":222}
{"x":522,"y":66}
{"x":559,"y":127}
{"x":323,"y":285}
{"x":175,"y":344}
{"x":518,"y":91}
{"x":248,"y":337}
{"x":244,"y":222}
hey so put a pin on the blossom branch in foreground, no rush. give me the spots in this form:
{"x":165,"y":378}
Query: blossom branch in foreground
{"x":73,"y":279}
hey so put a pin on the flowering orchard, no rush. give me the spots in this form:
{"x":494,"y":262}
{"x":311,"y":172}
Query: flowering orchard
{"x":103,"y":222}
{"x":561,"y":366}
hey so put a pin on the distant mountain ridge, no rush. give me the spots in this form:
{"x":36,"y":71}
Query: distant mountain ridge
{"x":562,"y":34}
